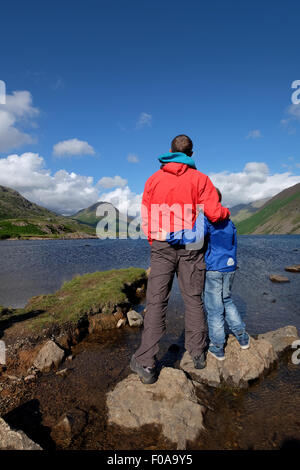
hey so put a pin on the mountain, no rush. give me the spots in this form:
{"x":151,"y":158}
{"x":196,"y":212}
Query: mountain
{"x":88,"y":216}
{"x":279,"y":215}
{"x":20,"y":218}
{"x":243,"y":211}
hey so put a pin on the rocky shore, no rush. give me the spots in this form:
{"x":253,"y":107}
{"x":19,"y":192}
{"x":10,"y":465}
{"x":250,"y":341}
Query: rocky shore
{"x":42,"y":338}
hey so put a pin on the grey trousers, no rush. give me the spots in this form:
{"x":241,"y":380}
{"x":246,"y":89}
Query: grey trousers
{"x":166,"y":260}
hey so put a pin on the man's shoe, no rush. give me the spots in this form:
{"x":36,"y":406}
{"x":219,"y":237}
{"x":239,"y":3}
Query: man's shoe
{"x":147,"y":375}
{"x":244,"y":340}
{"x":200,"y":361}
{"x":217,"y":353}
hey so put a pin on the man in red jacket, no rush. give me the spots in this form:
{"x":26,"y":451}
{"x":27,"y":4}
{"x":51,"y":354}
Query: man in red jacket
{"x":171,"y":201}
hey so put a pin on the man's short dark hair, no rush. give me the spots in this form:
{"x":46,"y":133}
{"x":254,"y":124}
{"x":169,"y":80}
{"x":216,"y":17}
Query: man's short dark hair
{"x":182,"y":143}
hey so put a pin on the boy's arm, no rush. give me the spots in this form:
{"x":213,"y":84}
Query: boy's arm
{"x":189,"y":236}
{"x":213,"y":209}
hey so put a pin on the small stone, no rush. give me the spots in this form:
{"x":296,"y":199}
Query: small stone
{"x":62,"y":372}
{"x":70,"y":358}
{"x":295,"y":268}
{"x":135,"y":318}
{"x":278,"y":278}
{"x":14,"y":378}
{"x":49,"y":357}
{"x":121,"y":322}
{"x":30,"y":377}
{"x":70,"y":425}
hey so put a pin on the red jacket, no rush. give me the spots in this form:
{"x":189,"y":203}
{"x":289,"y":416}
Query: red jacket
{"x":171,"y":198}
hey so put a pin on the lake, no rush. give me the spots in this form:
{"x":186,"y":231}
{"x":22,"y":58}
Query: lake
{"x":33,"y":267}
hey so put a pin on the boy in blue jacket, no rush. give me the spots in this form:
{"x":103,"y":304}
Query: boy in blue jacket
{"x":221,"y":263}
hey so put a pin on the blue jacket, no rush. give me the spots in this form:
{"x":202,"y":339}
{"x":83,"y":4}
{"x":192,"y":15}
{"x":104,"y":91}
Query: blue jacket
{"x":220,"y":240}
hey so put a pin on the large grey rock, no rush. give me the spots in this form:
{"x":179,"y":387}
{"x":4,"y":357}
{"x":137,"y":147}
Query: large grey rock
{"x":239,"y":368}
{"x":135,"y":318}
{"x":171,"y":402}
{"x":281,"y":339}
{"x":15,"y":440}
{"x":49,"y":357}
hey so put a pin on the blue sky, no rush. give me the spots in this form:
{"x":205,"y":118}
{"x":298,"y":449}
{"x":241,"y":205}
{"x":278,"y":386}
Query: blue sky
{"x":123,"y":78}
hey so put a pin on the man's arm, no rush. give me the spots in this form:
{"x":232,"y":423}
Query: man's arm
{"x":190,"y":236}
{"x":213,"y":209}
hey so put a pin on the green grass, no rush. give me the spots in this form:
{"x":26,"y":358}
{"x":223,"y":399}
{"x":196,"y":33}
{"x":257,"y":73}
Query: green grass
{"x":82,"y":296}
{"x":39,"y":227}
{"x":9,"y":230}
{"x":261,"y":217}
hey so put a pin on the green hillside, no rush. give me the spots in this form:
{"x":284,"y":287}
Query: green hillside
{"x":280,"y":215}
{"x":20,"y":218}
{"x":243,"y":211}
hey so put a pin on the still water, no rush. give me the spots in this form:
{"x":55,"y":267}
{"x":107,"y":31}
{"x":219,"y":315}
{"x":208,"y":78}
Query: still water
{"x":33,"y":267}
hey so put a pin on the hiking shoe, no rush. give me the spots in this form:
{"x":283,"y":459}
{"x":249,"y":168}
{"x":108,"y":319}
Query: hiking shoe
{"x":218,"y":353}
{"x":244,"y":340}
{"x":199,"y":361}
{"x":147,"y":375}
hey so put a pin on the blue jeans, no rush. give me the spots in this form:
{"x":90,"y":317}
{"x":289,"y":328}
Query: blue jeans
{"x":220,"y":307}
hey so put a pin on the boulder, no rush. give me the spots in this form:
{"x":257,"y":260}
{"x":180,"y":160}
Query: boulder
{"x":240,"y":367}
{"x":295,"y":268}
{"x":11,"y":439}
{"x":50,"y":356}
{"x":281,"y":339}
{"x":278,"y":278}
{"x":171,"y":403}
{"x":135,"y":318}
{"x":70,"y":425}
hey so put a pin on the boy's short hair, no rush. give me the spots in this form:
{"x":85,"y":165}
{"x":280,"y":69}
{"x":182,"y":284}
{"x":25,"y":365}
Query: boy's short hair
{"x":219,"y":194}
{"x":182,"y":143}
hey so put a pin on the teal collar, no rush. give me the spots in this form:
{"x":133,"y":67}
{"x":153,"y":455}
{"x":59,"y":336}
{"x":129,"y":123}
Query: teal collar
{"x":177,"y":157}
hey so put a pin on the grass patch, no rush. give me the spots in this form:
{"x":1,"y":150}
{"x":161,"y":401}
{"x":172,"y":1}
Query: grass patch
{"x":83,"y":296}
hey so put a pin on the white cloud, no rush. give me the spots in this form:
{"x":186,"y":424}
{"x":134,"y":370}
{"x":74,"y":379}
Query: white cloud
{"x":132,"y":158}
{"x":253,"y":183}
{"x":255,"y":134}
{"x":144,"y":120}
{"x":107,"y":182}
{"x":72,"y":147}
{"x":293,"y":112}
{"x":124,"y":199}
{"x":62,"y":192}
{"x":16,"y":113}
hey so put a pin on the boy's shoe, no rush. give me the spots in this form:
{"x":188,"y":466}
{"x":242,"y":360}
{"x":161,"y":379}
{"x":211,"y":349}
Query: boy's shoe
{"x":147,"y":375}
{"x":244,"y":340}
{"x":200,"y":361}
{"x":218,"y":353}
